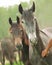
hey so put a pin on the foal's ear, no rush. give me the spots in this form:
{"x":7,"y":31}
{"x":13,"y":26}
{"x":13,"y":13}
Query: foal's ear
{"x":10,"y":21}
{"x":33,"y":7}
{"x":18,"y":20}
{"x":20,"y":9}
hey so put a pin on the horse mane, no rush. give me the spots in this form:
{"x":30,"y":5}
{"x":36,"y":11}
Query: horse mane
{"x":40,"y":45}
{"x":44,"y":33}
{"x":25,"y":51}
{"x":25,"y":43}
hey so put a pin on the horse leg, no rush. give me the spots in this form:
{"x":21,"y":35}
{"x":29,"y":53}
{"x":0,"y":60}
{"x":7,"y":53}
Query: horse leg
{"x":11,"y":63}
{"x":15,"y":60}
{"x":28,"y":62}
{"x":3,"y":62}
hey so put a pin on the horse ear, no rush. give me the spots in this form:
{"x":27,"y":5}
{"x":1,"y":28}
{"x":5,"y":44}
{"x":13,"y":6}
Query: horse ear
{"x":18,"y":20}
{"x":20,"y":9}
{"x":33,"y":7}
{"x":10,"y":21}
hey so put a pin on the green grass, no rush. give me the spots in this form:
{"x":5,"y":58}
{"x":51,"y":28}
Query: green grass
{"x":19,"y":63}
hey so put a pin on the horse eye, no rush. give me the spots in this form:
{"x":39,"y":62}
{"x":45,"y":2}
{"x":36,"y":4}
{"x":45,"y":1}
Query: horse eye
{"x":22,"y":22}
{"x":10,"y":31}
{"x":21,"y":30}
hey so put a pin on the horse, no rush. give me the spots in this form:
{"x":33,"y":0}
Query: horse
{"x":27,"y":15}
{"x":30,"y":22}
{"x":48,"y":31}
{"x":7,"y":50}
{"x":21,"y":38}
{"x":8,"y":45}
{"x":39,"y":44}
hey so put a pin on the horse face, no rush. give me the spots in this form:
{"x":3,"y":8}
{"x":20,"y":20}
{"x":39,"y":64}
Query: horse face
{"x":28,"y":16}
{"x":16,"y":31}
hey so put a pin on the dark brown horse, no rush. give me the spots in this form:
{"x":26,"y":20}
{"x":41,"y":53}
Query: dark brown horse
{"x":19,"y":35}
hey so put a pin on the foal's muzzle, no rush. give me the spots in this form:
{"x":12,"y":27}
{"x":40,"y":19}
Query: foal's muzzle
{"x":20,"y":47}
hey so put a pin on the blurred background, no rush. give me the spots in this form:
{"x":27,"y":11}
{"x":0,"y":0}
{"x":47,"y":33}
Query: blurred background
{"x":9,"y":8}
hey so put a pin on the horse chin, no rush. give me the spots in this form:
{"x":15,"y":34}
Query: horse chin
{"x":19,"y":46}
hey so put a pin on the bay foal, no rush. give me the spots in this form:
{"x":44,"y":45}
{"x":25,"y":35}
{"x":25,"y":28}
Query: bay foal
{"x":20,"y":37}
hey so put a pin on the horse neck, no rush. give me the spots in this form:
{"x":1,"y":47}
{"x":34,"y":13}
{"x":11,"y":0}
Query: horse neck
{"x":25,"y":43}
{"x":25,"y":39}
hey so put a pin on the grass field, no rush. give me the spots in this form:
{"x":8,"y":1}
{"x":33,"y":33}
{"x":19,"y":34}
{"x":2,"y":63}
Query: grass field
{"x":19,"y":63}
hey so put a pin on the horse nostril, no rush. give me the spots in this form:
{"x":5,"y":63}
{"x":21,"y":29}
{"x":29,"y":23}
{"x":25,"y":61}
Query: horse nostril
{"x":19,"y":46}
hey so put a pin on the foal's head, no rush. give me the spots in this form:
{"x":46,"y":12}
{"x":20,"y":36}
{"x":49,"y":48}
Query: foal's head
{"x":16,"y":31}
{"x":28,"y":16}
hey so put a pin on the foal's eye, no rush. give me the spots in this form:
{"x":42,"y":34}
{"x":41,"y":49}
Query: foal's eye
{"x":10,"y":31}
{"x":21,"y":30}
